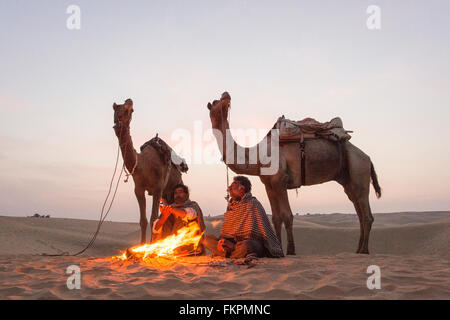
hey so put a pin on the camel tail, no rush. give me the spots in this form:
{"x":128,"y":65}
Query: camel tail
{"x":374,"y":177}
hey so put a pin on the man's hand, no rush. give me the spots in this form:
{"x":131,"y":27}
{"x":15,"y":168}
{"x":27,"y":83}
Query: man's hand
{"x":165,"y":213}
{"x":225,"y":245}
{"x":164,"y":208}
{"x":220,"y":245}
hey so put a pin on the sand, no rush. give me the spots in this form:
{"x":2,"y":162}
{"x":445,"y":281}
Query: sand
{"x":412,"y":250}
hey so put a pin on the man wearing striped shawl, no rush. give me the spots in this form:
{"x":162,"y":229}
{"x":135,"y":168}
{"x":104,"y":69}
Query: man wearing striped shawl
{"x":246,"y":230}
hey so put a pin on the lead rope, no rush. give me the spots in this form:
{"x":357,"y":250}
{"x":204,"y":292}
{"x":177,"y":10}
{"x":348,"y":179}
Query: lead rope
{"x":227,"y":197}
{"x":132,"y":171}
{"x":102,"y":218}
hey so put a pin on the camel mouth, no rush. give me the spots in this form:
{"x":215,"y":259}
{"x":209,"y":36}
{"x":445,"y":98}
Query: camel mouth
{"x":118,"y":125}
{"x":225,"y":96}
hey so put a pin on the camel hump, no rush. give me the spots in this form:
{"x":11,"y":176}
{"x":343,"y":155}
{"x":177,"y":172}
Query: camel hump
{"x":167,"y":153}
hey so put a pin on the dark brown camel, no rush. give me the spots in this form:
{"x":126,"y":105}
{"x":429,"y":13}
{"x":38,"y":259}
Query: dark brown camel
{"x":152,"y":169}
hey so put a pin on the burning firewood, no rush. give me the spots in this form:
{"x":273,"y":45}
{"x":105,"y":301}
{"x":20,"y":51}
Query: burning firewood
{"x":183,"y":243}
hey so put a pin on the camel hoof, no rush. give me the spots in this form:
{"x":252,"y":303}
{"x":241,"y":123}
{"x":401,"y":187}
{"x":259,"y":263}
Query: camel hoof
{"x":363,"y":252}
{"x":290,"y":250}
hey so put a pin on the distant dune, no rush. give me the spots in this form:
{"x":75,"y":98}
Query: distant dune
{"x":392,"y":233}
{"x":411,"y":248}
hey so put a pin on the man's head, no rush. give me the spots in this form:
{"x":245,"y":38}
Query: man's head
{"x":180,"y":193}
{"x":240,"y":186}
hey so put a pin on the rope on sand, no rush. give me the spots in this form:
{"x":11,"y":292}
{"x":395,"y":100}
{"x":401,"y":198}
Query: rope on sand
{"x":102,"y":218}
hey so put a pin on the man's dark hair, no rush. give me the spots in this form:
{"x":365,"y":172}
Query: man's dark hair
{"x":182,"y":186}
{"x":245,"y":182}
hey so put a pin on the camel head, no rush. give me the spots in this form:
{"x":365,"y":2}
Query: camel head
{"x":122,"y":115}
{"x":218,"y":110}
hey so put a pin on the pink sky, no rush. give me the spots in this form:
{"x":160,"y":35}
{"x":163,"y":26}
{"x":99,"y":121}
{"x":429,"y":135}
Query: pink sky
{"x":57,"y":145}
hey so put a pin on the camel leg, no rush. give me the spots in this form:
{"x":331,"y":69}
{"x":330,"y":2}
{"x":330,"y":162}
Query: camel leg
{"x":360,"y":190}
{"x":348,"y":191}
{"x":140,"y":195}
{"x":361,"y":226}
{"x":367,"y":222}
{"x":276,"y":218}
{"x":361,"y":203}
{"x":356,"y":183}
{"x":155,"y":209}
{"x":287,"y":217}
{"x":277,"y":222}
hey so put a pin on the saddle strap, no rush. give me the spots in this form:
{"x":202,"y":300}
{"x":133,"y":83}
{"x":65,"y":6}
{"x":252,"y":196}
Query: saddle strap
{"x":302,"y":159}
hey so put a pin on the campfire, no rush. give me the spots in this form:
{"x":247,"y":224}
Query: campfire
{"x":181,"y":244}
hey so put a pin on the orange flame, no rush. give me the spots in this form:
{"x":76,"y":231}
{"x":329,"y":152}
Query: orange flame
{"x":215,"y":223}
{"x":169,"y":247}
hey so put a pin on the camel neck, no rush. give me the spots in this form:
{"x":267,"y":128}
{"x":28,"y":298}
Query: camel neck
{"x":235,"y":152}
{"x":126,"y":146}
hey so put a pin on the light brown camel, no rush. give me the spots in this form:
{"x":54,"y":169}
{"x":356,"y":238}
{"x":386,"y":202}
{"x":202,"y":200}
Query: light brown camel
{"x":325,"y":161}
{"x":152,"y":169}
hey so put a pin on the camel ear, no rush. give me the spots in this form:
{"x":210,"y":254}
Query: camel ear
{"x":209,"y":105}
{"x":114,"y":106}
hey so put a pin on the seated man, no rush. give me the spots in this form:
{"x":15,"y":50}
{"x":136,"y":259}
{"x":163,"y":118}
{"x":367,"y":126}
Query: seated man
{"x":177,"y":215}
{"x":246,"y":230}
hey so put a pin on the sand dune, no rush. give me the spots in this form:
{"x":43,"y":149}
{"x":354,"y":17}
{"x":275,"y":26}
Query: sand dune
{"x":412,"y":250}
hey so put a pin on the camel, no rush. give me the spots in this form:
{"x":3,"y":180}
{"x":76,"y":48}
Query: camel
{"x":325,"y":161}
{"x":152,"y":169}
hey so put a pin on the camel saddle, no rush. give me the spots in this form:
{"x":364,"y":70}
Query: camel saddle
{"x":167,"y":154}
{"x":309,"y":128}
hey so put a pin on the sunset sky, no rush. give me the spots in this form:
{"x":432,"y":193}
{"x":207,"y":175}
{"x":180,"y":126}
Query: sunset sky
{"x":298,"y":58}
